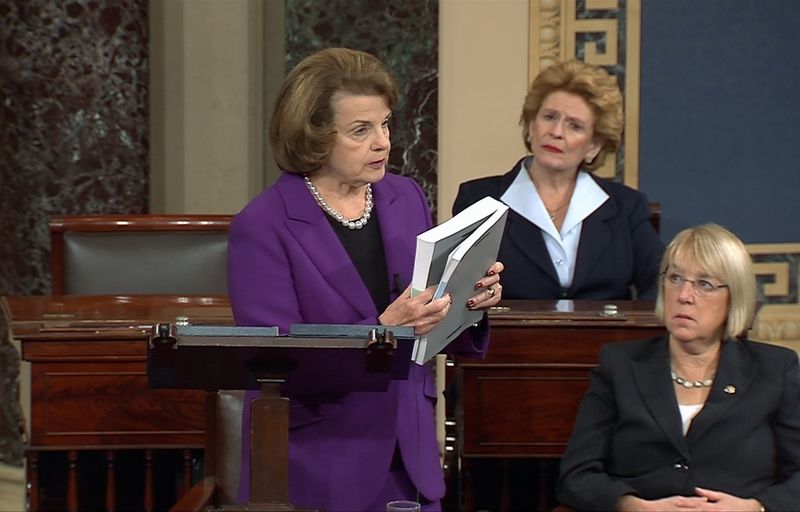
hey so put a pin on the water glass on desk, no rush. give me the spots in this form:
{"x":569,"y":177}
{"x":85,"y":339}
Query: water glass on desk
{"x":403,"y":506}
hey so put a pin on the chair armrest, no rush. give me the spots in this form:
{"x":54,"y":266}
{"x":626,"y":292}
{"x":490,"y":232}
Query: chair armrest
{"x":199,"y":498}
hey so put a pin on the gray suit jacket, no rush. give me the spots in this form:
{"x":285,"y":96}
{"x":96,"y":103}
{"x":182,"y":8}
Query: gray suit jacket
{"x":628,"y":438}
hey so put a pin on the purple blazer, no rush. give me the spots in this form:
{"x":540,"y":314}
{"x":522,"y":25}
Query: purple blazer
{"x":286,"y":265}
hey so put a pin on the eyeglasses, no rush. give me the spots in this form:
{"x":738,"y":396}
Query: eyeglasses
{"x":674,"y":281}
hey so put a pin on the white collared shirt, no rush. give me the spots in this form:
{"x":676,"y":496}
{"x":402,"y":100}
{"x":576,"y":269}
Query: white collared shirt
{"x":688,"y":412}
{"x":523,"y":198}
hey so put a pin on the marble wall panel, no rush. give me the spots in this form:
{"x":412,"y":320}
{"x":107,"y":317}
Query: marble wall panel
{"x":404,"y":34}
{"x":73,"y":122}
{"x":10,"y":414}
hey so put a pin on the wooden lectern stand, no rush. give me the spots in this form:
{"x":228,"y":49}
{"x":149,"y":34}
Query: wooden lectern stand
{"x":218,"y":358}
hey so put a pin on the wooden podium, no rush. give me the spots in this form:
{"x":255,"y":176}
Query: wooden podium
{"x":217,"y":358}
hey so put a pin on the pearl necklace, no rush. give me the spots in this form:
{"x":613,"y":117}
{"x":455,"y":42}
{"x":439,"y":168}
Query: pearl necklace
{"x":350,"y":224}
{"x":691,"y":383}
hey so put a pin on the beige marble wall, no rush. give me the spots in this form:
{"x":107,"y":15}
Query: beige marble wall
{"x":483,"y":77}
{"x":12,"y":488}
{"x":208,"y":92}
{"x":210,"y":59}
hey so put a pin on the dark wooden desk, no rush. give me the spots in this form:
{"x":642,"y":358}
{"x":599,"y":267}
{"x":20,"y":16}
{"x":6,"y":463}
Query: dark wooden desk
{"x":89,"y":384}
{"x":522,"y":399}
{"x":89,"y":388}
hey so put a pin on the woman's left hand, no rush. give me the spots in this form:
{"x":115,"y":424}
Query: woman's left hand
{"x":489,"y":289}
{"x":729,"y":503}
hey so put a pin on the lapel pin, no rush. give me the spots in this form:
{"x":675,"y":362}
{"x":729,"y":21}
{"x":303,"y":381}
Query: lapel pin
{"x":730,"y":389}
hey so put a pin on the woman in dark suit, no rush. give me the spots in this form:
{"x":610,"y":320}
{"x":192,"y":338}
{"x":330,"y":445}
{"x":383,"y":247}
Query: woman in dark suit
{"x":570,"y":235}
{"x":701,"y":419}
{"x":333,"y":242}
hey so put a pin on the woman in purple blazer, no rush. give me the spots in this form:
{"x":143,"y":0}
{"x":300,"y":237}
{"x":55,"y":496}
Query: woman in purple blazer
{"x":333,"y":241}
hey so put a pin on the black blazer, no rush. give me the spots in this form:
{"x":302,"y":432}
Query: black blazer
{"x":628,"y":437}
{"x":618,"y":247}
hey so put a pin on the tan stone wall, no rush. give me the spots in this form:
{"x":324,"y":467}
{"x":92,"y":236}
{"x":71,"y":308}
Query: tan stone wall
{"x":483,"y":77}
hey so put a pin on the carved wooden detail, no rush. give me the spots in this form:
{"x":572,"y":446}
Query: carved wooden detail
{"x":777,"y":268}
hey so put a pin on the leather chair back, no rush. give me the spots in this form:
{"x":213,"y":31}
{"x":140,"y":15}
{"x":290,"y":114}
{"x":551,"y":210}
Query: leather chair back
{"x":228,"y":445}
{"x":139,"y":254}
{"x":223,"y":450}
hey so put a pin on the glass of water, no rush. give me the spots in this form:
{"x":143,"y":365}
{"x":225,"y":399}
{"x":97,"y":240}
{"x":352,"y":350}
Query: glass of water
{"x":403,"y":506}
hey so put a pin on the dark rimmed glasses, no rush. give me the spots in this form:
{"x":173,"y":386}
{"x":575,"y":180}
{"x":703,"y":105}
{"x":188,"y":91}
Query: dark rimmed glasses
{"x":674,"y":281}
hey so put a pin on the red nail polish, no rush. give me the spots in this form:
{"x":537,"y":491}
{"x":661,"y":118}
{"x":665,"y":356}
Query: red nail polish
{"x":470,"y":303}
{"x":479,"y":285}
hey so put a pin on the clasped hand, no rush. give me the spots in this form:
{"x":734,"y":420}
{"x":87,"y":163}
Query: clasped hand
{"x":422,"y":313}
{"x":705,"y":500}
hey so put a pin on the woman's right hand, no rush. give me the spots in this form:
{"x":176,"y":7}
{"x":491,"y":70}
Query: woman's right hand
{"x":631,"y":503}
{"x":419,"y":312}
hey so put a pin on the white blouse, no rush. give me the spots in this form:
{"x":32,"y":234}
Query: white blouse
{"x":688,"y":412}
{"x":523,"y":198}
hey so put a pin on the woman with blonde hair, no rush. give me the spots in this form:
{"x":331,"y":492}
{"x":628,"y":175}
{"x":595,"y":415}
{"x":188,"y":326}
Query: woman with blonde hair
{"x":700,"y":419}
{"x":570,"y":235}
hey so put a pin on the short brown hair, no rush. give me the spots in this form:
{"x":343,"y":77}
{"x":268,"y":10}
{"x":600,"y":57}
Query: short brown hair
{"x":593,"y":84}
{"x":301,"y":130}
{"x":722,"y":255}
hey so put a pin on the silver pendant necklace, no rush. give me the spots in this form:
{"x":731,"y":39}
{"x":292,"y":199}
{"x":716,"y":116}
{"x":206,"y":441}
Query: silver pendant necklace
{"x":349,"y":224}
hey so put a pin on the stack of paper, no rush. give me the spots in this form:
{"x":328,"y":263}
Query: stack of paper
{"x":454,"y":256}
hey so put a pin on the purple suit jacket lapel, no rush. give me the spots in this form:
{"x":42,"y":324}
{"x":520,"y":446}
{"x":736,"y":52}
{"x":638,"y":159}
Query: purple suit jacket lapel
{"x":312,"y":229}
{"x":308,"y":224}
{"x":398,"y":234}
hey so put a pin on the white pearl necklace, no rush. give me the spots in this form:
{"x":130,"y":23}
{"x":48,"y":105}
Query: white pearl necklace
{"x":691,"y":383}
{"x":350,"y":224}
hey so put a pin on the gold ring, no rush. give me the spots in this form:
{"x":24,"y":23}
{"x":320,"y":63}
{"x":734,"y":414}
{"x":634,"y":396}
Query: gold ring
{"x":491,"y":291}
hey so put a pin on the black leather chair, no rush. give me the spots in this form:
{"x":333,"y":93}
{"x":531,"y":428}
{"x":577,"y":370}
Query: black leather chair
{"x":223,"y":448}
{"x":178,"y":255}
{"x":139,"y":254}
